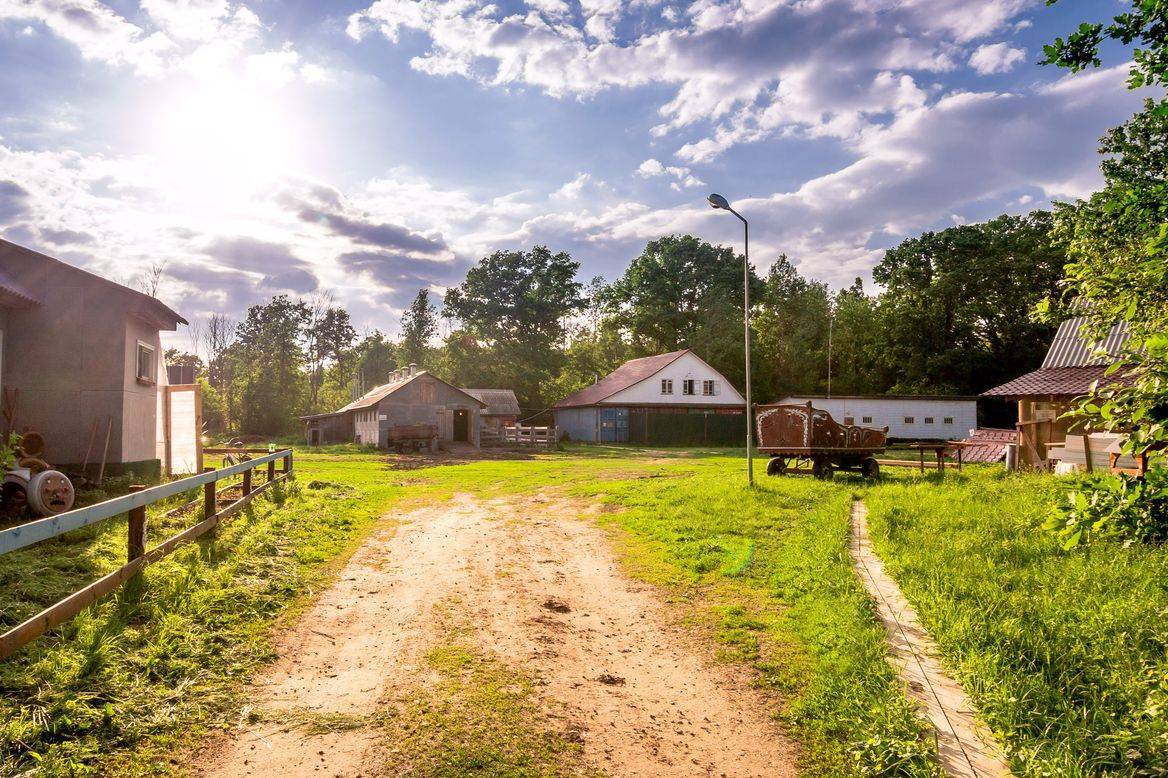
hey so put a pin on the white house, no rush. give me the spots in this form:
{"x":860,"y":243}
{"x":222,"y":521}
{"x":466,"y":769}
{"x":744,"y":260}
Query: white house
{"x":675,"y":398}
{"x":908,"y":417}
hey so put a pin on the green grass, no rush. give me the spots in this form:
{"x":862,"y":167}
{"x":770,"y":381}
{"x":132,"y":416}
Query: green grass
{"x":1065,"y":653}
{"x":122,"y":688}
{"x":767,"y":572}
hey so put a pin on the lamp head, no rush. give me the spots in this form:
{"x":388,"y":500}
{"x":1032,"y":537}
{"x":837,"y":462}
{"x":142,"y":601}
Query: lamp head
{"x":718,"y":201}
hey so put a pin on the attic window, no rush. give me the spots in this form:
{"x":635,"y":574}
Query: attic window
{"x":145,"y":368}
{"x":666,"y":386}
{"x":688,"y":386}
{"x":709,"y":388}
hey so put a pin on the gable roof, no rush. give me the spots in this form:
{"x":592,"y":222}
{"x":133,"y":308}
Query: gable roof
{"x":629,"y":374}
{"x":379,"y":393}
{"x":498,"y":402}
{"x":141,"y":305}
{"x":1070,"y":349}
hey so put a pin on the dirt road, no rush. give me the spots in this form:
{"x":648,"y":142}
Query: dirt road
{"x":534,"y":584}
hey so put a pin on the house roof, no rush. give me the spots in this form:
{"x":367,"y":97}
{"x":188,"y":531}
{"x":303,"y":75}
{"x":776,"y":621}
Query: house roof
{"x":142,"y":305}
{"x":14,"y":295}
{"x":1070,"y":349}
{"x":632,"y":372}
{"x":1056,"y":382}
{"x":499,"y":402}
{"x":379,"y":393}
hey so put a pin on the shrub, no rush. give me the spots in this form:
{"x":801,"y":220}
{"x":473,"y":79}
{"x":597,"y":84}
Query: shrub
{"x":1123,"y":508}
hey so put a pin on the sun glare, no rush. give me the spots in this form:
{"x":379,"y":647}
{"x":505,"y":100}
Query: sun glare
{"x":222,"y":141}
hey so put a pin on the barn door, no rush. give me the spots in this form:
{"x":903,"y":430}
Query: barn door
{"x":183,"y":405}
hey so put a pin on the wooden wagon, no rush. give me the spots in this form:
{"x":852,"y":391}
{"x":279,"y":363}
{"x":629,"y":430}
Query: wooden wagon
{"x":802,"y":439}
{"x":411,"y":437}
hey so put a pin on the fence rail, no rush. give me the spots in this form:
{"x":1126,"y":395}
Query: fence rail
{"x":134,"y":506}
{"x":520,"y":435}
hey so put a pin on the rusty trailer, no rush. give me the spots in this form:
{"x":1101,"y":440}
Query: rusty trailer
{"x":803,"y":439}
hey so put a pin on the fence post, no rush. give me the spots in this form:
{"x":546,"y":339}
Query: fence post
{"x":136,"y":542}
{"x":210,"y":502}
{"x":246,"y":482}
{"x":288,"y":463}
{"x":271,"y":470}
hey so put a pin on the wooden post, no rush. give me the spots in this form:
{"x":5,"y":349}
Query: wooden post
{"x":271,"y":470}
{"x":246,"y":482}
{"x":136,"y":542}
{"x":210,"y":502}
{"x":1090,"y":467}
{"x":921,"y":449}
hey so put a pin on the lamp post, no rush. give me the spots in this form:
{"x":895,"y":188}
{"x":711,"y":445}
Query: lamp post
{"x":720,"y":202}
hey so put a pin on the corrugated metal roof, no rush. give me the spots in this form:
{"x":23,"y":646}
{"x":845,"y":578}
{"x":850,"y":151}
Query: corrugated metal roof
{"x":17,"y":293}
{"x":499,"y":402}
{"x":1056,"y":382}
{"x":1071,"y":349}
{"x":631,"y":372}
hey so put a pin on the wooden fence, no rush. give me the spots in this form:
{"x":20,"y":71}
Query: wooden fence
{"x":520,"y":435}
{"x":133,"y":505}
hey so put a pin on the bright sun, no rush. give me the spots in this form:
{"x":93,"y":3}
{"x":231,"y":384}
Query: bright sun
{"x":221,"y":141}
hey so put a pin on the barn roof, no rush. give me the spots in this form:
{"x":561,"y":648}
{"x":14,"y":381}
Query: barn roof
{"x":499,"y":402}
{"x":632,"y":372}
{"x":987,"y":444}
{"x":379,"y":393}
{"x":1056,"y":382}
{"x":1070,"y":349}
{"x":12,"y":293}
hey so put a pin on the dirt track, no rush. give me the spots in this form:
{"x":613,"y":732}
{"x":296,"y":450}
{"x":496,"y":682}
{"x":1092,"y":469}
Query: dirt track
{"x":544,"y":594}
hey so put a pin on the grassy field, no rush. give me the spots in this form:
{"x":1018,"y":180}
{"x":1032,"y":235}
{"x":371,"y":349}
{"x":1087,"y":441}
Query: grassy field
{"x":1066,"y":653}
{"x":126,"y":685}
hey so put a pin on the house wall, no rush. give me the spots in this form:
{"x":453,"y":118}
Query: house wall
{"x":69,"y":359}
{"x":333,"y":429}
{"x":892,"y":412}
{"x":366,"y":428}
{"x":142,"y":434}
{"x":426,"y":400}
{"x":648,"y":391}
{"x":578,"y":424}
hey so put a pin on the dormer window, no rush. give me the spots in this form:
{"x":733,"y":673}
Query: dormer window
{"x":666,"y":386}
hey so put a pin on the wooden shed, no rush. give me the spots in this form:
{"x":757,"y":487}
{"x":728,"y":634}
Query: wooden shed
{"x":502,"y":408}
{"x":411,"y":397}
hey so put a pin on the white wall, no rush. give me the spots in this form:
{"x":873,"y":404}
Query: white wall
{"x":648,"y":391}
{"x":892,"y":412}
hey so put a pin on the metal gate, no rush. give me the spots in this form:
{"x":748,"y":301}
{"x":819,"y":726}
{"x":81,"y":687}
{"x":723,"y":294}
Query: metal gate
{"x":614,"y":425}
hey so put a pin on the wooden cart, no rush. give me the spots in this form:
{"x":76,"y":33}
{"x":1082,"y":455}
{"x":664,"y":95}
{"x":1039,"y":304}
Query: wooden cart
{"x":802,"y":439}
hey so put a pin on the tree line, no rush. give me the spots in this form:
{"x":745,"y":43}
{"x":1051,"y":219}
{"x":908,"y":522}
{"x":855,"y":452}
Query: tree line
{"x":952,"y":317}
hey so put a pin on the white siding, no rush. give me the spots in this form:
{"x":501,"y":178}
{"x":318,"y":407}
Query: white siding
{"x":893,"y":411}
{"x":687,"y":366}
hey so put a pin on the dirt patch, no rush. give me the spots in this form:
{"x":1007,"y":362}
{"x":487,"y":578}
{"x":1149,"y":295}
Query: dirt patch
{"x":541,"y":592}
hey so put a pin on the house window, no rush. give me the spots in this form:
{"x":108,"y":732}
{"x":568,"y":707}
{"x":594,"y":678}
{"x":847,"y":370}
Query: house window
{"x":687,"y":386}
{"x":948,"y":419}
{"x":849,"y":420}
{"x":867,"y":420}
{"x":709,"y":388}
{"x":666,"y":386}
{"x":910,"y":420}
{"x":928,"y":420}
{"x":145,"y":369}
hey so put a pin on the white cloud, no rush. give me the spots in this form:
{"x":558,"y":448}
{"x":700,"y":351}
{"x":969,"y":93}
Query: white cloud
{"x":995,"y":58}
{"x":651,"y":168}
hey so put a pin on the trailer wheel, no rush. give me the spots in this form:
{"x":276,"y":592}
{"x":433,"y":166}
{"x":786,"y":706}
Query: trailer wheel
{"x":821,"y":469}
{"x":870,"y":468}
{"x":777,"y":466}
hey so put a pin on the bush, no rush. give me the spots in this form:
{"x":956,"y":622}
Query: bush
{"x":1123,"y":508}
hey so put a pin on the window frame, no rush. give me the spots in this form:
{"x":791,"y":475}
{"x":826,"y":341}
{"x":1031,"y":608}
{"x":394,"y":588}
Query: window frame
{"x":712,"y":385}
{"x":865,"y":419}
{"x":947,"y":420}
{"x":930,"y":419}
{"x":149,"y":379}
{"x":910,"y":419}
{"x":666,"y":386}
{"x":688,"y":387}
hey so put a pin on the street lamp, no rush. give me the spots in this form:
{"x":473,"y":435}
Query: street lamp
{"x":720,"y":202}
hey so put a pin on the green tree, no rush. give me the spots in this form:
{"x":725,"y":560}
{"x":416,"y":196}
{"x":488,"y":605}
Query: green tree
{"x":373,"y":358}
{"x":790,"y":341}
{"x":268,"y":361}
{"x":516,"y":306}
{"x":954,"y":314}
{"x":419,"y":324}
{"x":330,"y":336}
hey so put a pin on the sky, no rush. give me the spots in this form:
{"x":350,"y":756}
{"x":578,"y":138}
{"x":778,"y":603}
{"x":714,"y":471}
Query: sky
{"x":368,"y":149}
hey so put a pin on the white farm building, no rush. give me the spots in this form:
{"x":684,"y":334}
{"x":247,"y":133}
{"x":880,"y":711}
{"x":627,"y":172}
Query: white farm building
{"x":908,"y":417}
{"x":675,"y":398}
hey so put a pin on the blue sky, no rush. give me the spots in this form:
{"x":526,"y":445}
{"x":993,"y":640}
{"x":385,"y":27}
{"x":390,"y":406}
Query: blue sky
{"x":367,"y":149}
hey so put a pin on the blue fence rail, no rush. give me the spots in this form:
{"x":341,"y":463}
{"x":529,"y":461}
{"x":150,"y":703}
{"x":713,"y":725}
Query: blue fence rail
{"x":133,"y":506}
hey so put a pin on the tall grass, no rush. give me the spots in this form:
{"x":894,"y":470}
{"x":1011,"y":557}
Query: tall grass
{"x":1066,"y":653}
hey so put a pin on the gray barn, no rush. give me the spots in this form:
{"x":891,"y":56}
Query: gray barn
{"x":411,"y":397}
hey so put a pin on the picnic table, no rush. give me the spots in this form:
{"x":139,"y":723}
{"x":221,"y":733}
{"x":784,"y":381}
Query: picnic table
{"x":939,"y":449}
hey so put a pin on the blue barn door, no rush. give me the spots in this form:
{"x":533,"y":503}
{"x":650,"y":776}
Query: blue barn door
{"x":614,"y":425}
